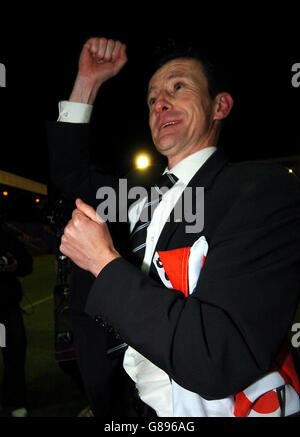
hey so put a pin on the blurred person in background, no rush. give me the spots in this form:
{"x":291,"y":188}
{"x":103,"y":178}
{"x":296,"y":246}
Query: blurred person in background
{"x":15,"y":261}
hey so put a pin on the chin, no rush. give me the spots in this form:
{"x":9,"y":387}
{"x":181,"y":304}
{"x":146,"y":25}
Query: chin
{"x":164,"y":147}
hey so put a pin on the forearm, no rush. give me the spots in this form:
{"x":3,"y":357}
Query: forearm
{"x":85,"y":90}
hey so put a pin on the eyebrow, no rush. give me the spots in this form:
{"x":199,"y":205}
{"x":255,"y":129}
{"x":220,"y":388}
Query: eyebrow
{"x":175,"y":75}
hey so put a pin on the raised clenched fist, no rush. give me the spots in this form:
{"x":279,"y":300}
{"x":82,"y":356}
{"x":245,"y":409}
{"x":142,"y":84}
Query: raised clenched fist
{"x":101,"y":59}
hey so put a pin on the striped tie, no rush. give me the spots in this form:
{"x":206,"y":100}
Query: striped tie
{"x":139,"y":233}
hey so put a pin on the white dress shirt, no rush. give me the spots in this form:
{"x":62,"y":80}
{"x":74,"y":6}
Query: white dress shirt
{"x":152,"y":383}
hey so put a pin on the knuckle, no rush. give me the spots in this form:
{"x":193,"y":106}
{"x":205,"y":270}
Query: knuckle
{"x":67,"y":230}
{"x":76,"y":221}
{"x":92,"y":43}
{"x":88,"y":41}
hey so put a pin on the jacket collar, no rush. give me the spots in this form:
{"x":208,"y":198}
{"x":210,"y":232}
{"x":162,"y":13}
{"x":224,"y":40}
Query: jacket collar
{"x":207,"y":173}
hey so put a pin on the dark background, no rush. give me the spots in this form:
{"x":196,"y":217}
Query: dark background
{"x":40,"y":45}
{"x":40,"y":49}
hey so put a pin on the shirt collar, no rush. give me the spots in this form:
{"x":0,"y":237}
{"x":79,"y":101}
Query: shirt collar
{"x":186,"y":169}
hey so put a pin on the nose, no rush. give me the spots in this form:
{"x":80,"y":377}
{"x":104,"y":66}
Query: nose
{"x":162,"y":104}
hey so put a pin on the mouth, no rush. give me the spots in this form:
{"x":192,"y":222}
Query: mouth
{"x":167,"y":124}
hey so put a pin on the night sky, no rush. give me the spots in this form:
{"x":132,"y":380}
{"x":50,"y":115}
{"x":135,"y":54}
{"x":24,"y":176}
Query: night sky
{"x":41,"y":51}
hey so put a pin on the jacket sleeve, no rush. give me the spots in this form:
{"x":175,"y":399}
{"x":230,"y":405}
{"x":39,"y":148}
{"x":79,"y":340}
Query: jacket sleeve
{"x":227,"y":333}
{"x":69,"y":161}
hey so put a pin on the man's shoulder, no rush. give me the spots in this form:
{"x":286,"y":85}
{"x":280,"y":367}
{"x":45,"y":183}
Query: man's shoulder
{"x":252,"y":194}
{"x":252,"y":182}
{"x":257,"y":173}
{"x":258,"y":167}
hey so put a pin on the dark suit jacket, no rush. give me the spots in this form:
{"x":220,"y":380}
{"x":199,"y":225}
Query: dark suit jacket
{"x":228,"y":333}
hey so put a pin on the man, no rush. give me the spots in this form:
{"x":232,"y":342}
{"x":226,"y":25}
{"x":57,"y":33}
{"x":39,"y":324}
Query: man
{"x":214,"y":345}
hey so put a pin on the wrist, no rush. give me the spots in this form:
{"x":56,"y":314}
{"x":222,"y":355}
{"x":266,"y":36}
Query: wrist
{"x":105,"y":259}
{"x":85,"y":90}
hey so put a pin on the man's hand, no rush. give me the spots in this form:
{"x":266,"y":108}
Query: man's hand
{"x":100,"y":60}
{"x":87,"y":241}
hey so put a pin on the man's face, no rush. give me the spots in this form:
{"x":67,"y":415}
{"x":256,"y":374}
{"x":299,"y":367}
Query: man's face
{"x":181,"y":110}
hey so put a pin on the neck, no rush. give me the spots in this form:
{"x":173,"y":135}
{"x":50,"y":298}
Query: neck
{"x":210,"y":141}
{"x":175,"y":159}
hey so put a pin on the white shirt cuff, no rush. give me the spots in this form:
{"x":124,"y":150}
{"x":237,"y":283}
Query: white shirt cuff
{"x":74,"y":112}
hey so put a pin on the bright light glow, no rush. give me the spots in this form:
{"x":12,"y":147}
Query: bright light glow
{"x":142,"y":161}
{"x":5,"y":193}
{"x":290,"y":170}
{"x":37,"y":200}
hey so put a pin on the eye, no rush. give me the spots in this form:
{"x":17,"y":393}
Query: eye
{"x":178,"y":86}
{"x":152,"y":100}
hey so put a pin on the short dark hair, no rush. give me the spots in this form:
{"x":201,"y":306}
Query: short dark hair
{"x":188,"y":50}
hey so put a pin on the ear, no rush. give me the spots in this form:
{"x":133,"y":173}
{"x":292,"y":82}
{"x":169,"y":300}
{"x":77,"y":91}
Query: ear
{"x":223,"y":105}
